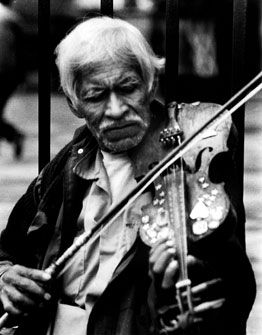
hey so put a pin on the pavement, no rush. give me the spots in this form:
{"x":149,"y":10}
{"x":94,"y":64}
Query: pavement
{"x":15,"y":176}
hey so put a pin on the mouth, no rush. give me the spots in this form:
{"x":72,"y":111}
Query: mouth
{"x":121,"y":131}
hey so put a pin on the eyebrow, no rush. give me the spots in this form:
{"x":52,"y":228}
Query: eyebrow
{"x":124,"y":79}
{"x":134,"y":78}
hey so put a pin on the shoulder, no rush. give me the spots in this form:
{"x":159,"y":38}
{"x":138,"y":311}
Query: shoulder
{"x":52,"y":170}
{"x":57,"y":165}
{"x":63,"y":154}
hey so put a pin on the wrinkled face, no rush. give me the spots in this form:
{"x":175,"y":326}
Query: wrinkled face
{"x":115,"y":104}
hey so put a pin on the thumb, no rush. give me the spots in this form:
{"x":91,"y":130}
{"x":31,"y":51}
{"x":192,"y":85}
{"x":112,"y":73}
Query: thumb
{"x":169,"y":275}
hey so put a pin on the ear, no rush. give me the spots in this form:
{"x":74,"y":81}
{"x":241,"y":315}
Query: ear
{"x":74,"y":110}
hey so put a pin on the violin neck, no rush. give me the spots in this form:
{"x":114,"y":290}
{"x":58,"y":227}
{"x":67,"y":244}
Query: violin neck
{"x":177,"y":216}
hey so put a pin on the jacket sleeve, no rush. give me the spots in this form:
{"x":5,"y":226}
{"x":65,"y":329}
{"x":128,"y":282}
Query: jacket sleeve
{"x":13,"y":237}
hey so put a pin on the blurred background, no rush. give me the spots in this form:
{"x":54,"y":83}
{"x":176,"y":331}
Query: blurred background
{"x":204,"y":67}
{"x":205,"y":38}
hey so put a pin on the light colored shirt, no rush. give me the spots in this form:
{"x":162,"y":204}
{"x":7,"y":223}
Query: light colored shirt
{"x":92,"y":267}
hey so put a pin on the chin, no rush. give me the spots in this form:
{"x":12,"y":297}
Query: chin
{"x":121,"y":145}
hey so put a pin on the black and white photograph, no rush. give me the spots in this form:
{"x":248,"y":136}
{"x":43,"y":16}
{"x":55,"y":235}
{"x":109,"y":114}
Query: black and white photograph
{"x":130,"y":167}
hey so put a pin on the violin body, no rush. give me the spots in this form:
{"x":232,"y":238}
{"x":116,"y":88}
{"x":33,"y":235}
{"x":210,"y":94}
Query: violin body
{"x":206,"y":203}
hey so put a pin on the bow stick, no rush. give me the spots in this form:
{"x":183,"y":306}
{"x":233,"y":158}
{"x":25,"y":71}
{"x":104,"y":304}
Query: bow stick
{"x":240,"y":98}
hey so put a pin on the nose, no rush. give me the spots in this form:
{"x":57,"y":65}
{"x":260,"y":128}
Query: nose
{"x":115,"y":106}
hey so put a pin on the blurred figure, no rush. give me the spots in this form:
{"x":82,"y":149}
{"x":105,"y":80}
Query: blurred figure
{"x":11,"y":70}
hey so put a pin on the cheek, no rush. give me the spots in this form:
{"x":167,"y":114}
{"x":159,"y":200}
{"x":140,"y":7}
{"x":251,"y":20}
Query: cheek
{"x":138,"y":100}
{"x":141,"y":104}
{"x":92,"y":114}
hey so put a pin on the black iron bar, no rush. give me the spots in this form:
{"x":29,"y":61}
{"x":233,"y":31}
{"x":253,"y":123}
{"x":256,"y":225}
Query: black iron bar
{"x":107,"y":7}
{"x":171,"y":51}
{"x":238,"y":75}
{"x":44,"y":96}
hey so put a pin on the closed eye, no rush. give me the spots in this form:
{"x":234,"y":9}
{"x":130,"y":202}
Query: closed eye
{"x":93,"y":95}
{"x":129,"y":86}
{"x":127,"y":89}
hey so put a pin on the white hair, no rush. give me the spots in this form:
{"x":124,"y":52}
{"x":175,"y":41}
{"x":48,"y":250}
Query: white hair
{"x":101,"y":39}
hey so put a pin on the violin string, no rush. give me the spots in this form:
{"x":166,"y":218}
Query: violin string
{"x":183,"y":231}
{"x":179,"y":224}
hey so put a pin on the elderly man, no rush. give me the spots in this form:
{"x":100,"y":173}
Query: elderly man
{"x":115,"y":284}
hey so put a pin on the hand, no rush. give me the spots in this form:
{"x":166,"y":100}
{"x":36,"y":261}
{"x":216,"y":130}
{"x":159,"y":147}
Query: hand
{"x":22,"y":289}
{"x":163,"y":268}
{"x":164,"y":271}
{"x":172,"y":319}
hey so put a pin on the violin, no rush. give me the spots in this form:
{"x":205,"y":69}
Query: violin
{"x":186,"y":186}
{"x":187,"y":205}
{"x":207,"y":203}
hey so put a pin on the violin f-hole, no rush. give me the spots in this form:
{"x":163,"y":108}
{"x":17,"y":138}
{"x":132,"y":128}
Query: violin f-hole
{"x":199,"y":158}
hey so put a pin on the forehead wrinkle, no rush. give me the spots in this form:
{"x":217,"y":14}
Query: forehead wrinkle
{"x":95,"y":68}
{"x":110,"y":80}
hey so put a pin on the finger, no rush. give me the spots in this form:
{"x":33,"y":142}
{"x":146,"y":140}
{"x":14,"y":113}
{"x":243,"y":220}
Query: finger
{"x":23,"y":284}
{"x":169,"y":275}
{"x":9,"y":306}
{"x":191,"y":260}
{"x":16,"y":302}
{"x":205,"y":286}
{"x":169,"y":242}
{"x":32,"y":288}
{"x":36,"y":275}
{"x":25,"y":279}
{"x":161,"y":263}
{"x":209,"y":305}
{"x":159,"y":248}
{"x":197,"y":320}
{"x":161,"y":240}
{"x":26,"y":290}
